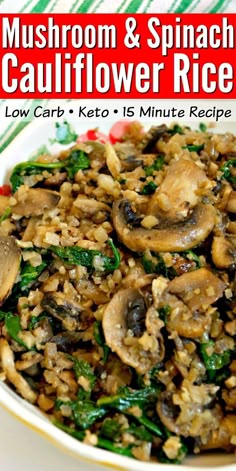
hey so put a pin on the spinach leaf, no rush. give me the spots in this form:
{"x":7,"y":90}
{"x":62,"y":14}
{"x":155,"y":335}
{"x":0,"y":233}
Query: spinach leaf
{"x":149,"y":188}
{"x":6,"y":214}
{"x":92,"y":259}
{"x":192,"y":256}
{"x":64,"y":133}
{"x":158,"y":165}
{"x":111,"y":428}
{"x":29,"y":274}
{"x":156,"y":264}
{"x":182,"y":452}
{"x":227,"y":174}
{"x":193,"y":148}
{"x":214,"y":361}
{"x":13,"y":327}
{"x":202,"y":127}
{"x":140,"y":433}
{"x":100,"y":339}
{"x":84,"y":412}
{"x":176,"y":130}
{"x":77,"y":160}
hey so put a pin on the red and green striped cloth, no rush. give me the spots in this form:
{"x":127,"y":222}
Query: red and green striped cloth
{"x":9,"y":129}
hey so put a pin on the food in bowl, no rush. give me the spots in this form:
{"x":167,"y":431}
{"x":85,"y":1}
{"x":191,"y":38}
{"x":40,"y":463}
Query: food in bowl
{"x":118,"y":290}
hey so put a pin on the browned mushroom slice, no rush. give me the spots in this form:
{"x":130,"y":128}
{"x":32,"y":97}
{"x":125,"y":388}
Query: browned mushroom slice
{"x":180,"y":191}
{"x":222,"y":437}
{"x":35,"y":202}
{"x":231,"y":205}
{"x":197,"y":288}
{"x":124,"y":330}
{"x":165,"y":237}
{"x":15,"y":378}
{"x":223,"y":251}
{"x":10,"y":257}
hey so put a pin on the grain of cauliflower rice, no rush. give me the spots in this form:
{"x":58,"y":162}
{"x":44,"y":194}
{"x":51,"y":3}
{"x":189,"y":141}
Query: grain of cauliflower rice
{"x":118,"y":308}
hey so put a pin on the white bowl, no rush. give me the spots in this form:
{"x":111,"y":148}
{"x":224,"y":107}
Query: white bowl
{"x":28,"y":141}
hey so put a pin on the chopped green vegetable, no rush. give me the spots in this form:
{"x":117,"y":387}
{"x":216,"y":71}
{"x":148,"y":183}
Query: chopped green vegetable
{"x":226,"y":172}
{"x":111,"y":428}
{"x":156,"y":264}
{"x":202,"y":127}
{"x":35,"y":320}
{"x":127,"y":398}
{"x":6,"y":214}
{"x":149,"y":188}
{"x":192,"y":256}
{"x":100,"y":339}
{"x":164,"y":312}
{"x":64,"y":133}
{"x":158,"y":165}
{"x":77,"y":160}
{"x":30,"y":274}
{"x":83,"y":368}
{"x":193,"y":148}
{"x":140,"y":433}
{"x":84,"y":412}
{"x":213,"y":361}
{"x":182,"y":452}
{"x":92,"y":259}
{"x":176,"y":130}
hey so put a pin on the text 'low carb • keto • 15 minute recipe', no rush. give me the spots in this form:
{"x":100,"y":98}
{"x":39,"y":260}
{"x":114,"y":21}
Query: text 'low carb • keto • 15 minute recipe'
{"x":118,"y":312}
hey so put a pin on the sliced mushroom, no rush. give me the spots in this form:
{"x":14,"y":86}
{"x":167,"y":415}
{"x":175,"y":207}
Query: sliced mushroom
{"x":15,"y":378}
{"x":60,"y":307}
{"x":165,"y":237}
{"x":124,"y":315}
{"x":35,"y":202}
{"x":223,"y":251}
{"x":179,"y":410}
{"x":197,"y":288}
{"x":90,"y":205}
{"x":66,"y":341}
{"x":231,"y":205}
{"x":179,"y":192}
{"x":221,"y":438}
{"x":10,"y":257}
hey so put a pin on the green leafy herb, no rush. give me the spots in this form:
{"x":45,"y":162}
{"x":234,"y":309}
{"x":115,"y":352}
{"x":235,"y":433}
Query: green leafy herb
{"x":164,"y":312}
{"x":158,"y":165}
{"x":192,"y":256}
{"x":213,"y":361}
{"x":156,"y":264}
{"x":149,"y":188}
{"x":193,"y":148}
{"x":141,"y":433}
{"x":92,"y":259}
{"x":6,"y":214}
{"x":182,"y":452}
{"x":111,"y":428}
{"x":226,"y":172}
{"x":30,"y":274}
{"x":13,"y":327}
{"x":35,"y":320}
{"x":176,"y":130}
{"x":202,"y":127}
{"x":83,"y":368}
{"x":77,"y":160}
{"x":127,"y":398}
{"x":84,"y":412}
{"x":64,"y":133}
{"x":100,"y":339}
